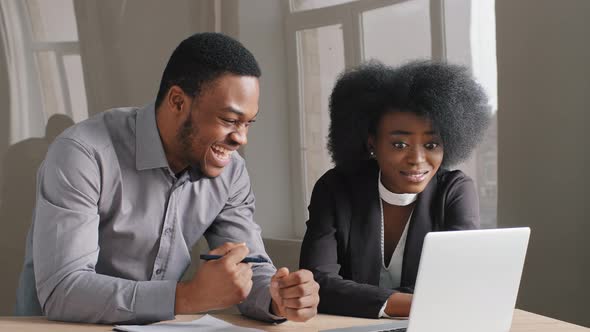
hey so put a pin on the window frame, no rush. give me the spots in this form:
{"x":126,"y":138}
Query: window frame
{"x":26,"y":92}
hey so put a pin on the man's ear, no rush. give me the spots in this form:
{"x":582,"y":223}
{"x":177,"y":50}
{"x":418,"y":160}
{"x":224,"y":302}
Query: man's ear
{"x":175,"y":98}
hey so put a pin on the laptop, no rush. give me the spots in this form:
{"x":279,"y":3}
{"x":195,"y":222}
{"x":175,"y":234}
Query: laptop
{"x":467,"y":282}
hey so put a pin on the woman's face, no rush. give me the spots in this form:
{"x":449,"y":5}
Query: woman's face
{"x":408,"y":151}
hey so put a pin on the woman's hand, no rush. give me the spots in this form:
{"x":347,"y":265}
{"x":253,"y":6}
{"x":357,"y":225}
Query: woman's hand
{"x":398,"y":305}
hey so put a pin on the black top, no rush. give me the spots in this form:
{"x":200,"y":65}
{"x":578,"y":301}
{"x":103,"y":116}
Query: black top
{"x":342,"y":244}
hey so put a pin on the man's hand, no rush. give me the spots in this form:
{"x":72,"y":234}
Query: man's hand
{"x":294,"y":295}
{"x":218,"y":283}
{"x":398,"y":305}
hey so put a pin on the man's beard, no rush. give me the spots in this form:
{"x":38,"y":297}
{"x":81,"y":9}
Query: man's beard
{"x":185,"y":138}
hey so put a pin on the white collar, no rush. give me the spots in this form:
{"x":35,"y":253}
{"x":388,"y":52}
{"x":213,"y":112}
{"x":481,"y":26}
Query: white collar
{"x":393,"y":198}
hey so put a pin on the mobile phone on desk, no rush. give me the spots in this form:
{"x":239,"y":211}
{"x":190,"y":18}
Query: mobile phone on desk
{"x":247,"y":259}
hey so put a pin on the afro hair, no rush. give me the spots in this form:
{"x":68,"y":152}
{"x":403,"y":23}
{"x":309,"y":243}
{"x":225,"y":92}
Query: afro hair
{"x":444,"y":93}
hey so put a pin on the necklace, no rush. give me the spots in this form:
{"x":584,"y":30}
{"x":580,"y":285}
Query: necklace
{"x":394,"y":198}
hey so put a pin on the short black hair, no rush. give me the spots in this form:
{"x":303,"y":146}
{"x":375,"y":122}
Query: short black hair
{"x":444,"y":93}
{"x":202,"y":58}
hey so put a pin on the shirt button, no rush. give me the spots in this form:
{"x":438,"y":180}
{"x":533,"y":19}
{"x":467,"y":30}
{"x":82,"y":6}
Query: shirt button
{"x":168,"y":231}
{"x":159,"y":271}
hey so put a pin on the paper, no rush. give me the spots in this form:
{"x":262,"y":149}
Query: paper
{"x":206,"y":323}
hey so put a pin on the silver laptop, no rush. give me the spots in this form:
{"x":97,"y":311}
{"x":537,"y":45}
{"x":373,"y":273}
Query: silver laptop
{"x":467,"y":281}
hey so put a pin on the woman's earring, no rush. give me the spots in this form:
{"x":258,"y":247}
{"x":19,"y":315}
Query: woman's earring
{"x":372,"y":154}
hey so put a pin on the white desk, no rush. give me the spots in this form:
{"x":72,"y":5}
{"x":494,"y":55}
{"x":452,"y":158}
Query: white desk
{"x":523,"y":322}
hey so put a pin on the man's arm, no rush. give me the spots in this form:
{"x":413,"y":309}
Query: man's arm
{"x":218,"y":284}
{"x":236,"y":224}
{"x":295,"y":295}
{"x":65,"y":248}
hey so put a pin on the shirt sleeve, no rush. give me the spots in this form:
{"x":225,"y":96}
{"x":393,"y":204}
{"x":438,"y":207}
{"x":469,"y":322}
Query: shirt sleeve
{"x":382,"y":312}
{"x":235,"y":223}
{"x":65,"y":248}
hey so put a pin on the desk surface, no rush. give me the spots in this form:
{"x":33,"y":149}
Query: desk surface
{"x":522,"y":322}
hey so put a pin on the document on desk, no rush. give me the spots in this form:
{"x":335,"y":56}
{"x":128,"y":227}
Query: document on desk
{"x":206,"y":324}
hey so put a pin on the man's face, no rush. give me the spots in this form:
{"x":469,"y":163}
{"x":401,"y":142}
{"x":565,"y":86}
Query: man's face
{"x":218,"y":122}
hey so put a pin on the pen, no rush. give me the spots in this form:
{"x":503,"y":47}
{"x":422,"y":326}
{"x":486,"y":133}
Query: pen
{"x":248,"y":259}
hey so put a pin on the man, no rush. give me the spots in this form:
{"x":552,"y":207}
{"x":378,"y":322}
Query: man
{"x":123,"y":196}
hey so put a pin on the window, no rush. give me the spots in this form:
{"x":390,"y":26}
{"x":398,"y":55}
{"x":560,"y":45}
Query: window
{"x":395,"y":33}
{"x":321,"y":51}
{"x":299,"y":5}
{"x":45,"y":68}
{"x":325,"y":36}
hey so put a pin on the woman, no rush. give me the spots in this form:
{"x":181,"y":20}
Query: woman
{"x":393,"y":131}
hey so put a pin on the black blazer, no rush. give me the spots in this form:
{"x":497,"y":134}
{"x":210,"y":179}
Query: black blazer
{"x":342,"y":244}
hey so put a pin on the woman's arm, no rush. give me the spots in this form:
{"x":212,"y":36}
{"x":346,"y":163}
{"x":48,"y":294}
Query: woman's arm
{"x":319,"y":254}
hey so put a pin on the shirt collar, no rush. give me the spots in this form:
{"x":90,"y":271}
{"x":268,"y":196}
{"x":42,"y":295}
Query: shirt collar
{"x":149,"y":152}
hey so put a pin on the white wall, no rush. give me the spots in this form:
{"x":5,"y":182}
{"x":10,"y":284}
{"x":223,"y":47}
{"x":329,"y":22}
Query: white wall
{"x":125,"y":46}
{"x":544,"y":100}
{"x":267,"y":152}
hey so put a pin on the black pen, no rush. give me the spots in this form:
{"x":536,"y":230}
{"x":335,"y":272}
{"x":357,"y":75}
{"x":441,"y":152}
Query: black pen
{"x":247,"y":259}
